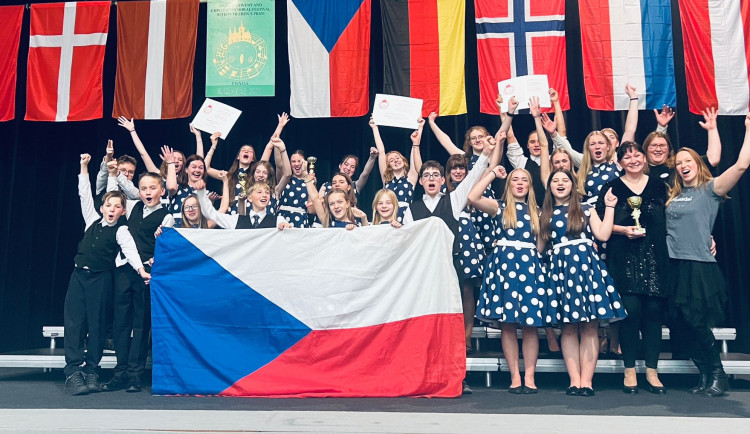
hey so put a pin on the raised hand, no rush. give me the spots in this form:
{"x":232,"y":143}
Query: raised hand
{"x":709,"y":115}
{"x":125,"y":123}
{"x":630,"y":90}
{"x":110,"y":152}
{"x":194,"y":130}
{"x":85,"y":158}
{"x":356,"y":212}
{"x":664,"y":116}
{"x":212,"y":196}
{"x":489,"y":145}
{"x":199,"y":185}
{"x":432,"y":116}
{"x":553,"y":95}
{"x":500,"y":172}
{"x":277,"y":142}
{"x":610,"y":199}
{"x":112,"y":168}
{"x":512,"y":105}
{"x":374,"y":152}
{"x":548,"y":124}
{"x":372,"y":123}
{"x":283,"y":119}
{"x":167,"y":154}
{"x":215,"y":138}
{"x":499,"y":101}
{"x":534,"y":106}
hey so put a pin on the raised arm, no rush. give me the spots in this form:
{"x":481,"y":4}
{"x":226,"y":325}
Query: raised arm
{"x":365,"y":175}
{"x":314,"y":198}
{"x":224,"y":205}
{"x":460,"y":196}
{"x":555,"y":98}
{"x":130,"y":126}
{"x":226,"y":221}
{"x":283,"y":166}
{"x":415,"y":157}
{"x":442,"y":138}
{"x":713,"y":151}
{"x":269,"y":149}
{"x":476,"y":194}
{"x":727,"y":180}
{"x":102,"y":175}
{"x":84,"y":193}
{"x":167,"y":154}
{"x":663,"y":118}
{"x":631,"y":121}
{"x":198,"y":141}
{"x":213,"y":173}
{"x":602,"y":228}
{"x":541,"y":136}
{"x":547,"y":124}
{"x":382,"y":162}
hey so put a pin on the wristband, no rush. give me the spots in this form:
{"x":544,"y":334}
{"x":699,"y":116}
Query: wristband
{"x":634,"y":99}
{"x":282,"y":150}
{"x":510,"y":114}
{"x":609,"y":206}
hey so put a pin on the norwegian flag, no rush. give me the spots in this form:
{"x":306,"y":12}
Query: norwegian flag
{"x":520,"y":37}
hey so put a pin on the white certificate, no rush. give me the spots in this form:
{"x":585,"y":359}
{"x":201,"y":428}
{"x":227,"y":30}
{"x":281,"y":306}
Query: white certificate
{"x":523,"y":88}
{"x":216,"y":117}
{"x":397,"y":111}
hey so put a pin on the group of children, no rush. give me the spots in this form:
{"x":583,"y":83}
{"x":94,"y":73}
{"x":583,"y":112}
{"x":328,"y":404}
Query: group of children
{"x":532,"y":253}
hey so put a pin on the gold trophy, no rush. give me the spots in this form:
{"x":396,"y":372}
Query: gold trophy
{"x":242,"y":177}
{"x":311,"y":164}
{"x":635,"y":203}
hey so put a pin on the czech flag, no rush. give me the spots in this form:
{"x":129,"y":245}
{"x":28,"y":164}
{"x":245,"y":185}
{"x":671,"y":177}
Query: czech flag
{"x":423,"y":53}
{"x":329,"y":57}
{"x":627,"y":41}
{"x":307,"y":312}
{"x":717,"y":54}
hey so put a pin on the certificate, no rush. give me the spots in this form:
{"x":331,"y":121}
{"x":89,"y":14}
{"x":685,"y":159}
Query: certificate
{"x":523,"y":88}
{"x":216,"y":117}
{"x":397,"y":111}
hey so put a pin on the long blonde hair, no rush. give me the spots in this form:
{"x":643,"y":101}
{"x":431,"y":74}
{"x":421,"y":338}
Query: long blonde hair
{"x":586,"y":163}
{"x":328,"y":217}
{"x":377,"y":218}
{"x":510,"y":218}
{"x":703,"y":176}
{"x":388,"y":175}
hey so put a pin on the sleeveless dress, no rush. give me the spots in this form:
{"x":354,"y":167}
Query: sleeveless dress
{"x":293,"y":203}
{"x":404,"y":193}
{"x":599,"y":175}
{"x":585,"y":290}
{"x":516,"y":288}
{"x":482,"y":221}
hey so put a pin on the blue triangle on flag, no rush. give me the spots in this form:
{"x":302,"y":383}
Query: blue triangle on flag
{"x":328,"y":18}
{"x":209,"y":329}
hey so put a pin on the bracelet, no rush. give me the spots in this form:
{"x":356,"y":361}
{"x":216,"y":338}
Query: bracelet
{"x":282,"y":150}
{"x":132,"y":131}
{"x":510,"y":114}
{"x":634,"y":99}
{"x":609,"y":206}
{"x":493,"y":172}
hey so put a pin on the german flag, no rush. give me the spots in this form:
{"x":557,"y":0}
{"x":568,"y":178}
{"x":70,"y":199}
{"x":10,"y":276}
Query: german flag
{"x":423,"y":53}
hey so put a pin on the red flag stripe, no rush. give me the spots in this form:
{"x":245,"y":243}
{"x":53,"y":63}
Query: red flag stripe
{"x":424,"y":54}
{"x":10,"y":36}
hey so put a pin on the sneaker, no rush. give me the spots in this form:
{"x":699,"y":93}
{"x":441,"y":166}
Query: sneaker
{"x":466,"y":389}
{"x":92,"y":382}
{"x":75,"y":384}
{"x":134,"y":385}
{"x":118,"y":382}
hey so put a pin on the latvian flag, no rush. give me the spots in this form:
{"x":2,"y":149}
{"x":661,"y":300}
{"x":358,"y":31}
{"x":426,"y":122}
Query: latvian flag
{"x":520,"y":37}
{"x":423,"y":53}
{"x":307,"y":312}
{"x":717,"y":54}
{"x":329,"y":57}
{"x":155,"y":59}
{"x":627,"y":41}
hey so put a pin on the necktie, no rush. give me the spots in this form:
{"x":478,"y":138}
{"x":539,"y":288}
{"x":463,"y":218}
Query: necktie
{"x":256,"y":220}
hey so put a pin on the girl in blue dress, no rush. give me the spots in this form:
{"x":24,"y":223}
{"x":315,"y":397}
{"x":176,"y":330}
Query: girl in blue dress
{"x":584,"y":289}
{"x":293,"y":205}
{"x":515,"y":289}
{"x":397,"y":174}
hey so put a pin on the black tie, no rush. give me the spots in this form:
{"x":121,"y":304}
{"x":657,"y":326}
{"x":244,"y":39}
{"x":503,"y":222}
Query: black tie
{"x":256,"y":220}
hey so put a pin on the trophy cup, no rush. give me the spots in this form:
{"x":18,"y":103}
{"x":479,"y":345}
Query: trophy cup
{"x":242,"y":180}
{"x":635,"y":203}
{"x":311,"y":164}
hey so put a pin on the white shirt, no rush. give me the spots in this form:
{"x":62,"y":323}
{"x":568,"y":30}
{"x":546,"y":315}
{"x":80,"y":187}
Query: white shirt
{"x":562,"y":142}
{"x":517,"y":158}
{"x":228,"y":221}
{"x":459,"y":196}
{"x":123,"y":184}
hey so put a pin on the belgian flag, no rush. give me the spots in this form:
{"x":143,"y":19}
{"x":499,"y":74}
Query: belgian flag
{"x":423,"y":53}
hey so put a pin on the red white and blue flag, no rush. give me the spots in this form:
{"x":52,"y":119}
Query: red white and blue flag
{"x":329,"y":57}
{"x":307,"y":312}
{"x":627,"y":41}
{"x":716,"y":34}
{"x":520,"y":37}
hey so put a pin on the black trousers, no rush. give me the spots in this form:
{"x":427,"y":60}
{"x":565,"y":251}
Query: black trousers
{"x":645,"y":315}
{"x":85,"y":312}
{"x":700,"y":343}
{"x":132,"y":314}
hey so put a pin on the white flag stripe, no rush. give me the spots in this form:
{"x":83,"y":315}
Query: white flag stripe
{"x":157,"y":28}
{"x":66,"y":63}
{"x":309,"y":69}
{"x":730,"y":64}
{"x":627,"y":51}
{"x":390,"y":274}
{"x":80,"y":40}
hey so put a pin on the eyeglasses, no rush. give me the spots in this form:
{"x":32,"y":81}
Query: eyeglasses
{"x":191,"y":208}
{"x":658,"y":145}
{"x":432,"y":175}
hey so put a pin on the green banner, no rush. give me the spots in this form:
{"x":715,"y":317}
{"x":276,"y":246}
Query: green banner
{"x":240,"y":48}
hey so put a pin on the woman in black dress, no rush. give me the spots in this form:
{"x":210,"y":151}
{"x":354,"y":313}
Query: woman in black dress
{"x":638,"y":260}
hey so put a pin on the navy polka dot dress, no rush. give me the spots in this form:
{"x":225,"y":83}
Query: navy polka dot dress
{"x":237,"y":189}
{"x":516,"y":288}
{"x":585,"y":290}
{"x":599,"y":175}
{"x":482,"y":221}
{"x":404,"y":193}
{"x":175,"y":203}
{"x":293,"y":203}
{"x":470,"y":246}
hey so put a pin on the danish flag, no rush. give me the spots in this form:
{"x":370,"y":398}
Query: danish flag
{"x":66,"y":56}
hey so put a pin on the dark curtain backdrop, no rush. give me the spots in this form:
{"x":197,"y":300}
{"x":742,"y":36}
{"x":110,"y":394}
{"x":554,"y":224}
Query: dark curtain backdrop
{"x":41,"y":224}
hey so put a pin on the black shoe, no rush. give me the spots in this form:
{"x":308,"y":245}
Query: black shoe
{"x":573,"y":391}
{"x":516,"y":390}
{"x":118,"y":382}
{"x":134,"y":385}
{"x":718,"y":384}
{"x":657,"y":390}
{"x":630,"y":390}
{"x":469,"y":350}
{"x":109,"y":344}
{"x":530,"y":390}
{"x":75,"y":384}
{"x":613,"y":355}
{"x":92,"y":382}
{"x":586,"y":391}
{"x":466,"y":389}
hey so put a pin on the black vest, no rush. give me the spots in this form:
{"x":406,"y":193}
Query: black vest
{"x":143,"y":229}
{"x":536,"y":180}
{"x":98,"y":248}
{"x":244,"y":222}
{"x":443,"y":210}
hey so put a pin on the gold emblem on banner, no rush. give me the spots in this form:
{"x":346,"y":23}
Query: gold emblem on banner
{"x":240,"y":56}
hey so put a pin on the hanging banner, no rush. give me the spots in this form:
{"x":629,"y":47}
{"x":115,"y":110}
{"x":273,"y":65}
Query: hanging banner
{"x":240,"y":48}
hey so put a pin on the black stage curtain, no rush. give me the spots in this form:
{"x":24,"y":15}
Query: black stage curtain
{"x":40,"y":225}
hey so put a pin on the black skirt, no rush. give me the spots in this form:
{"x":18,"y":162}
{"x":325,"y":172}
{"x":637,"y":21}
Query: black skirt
{"x":696,"y":292}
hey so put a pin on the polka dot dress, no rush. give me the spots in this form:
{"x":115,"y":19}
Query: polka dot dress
{"x":293,"y":203}
{"x":233,"y":207}
{"x":470,"y":246}
{"x":404,"y":193}
{"x":175,"y":203}
{"x":482,"y":221}
{"x":515,"y":288}
{"x":599,"y":175}
{"x":585,"y":290}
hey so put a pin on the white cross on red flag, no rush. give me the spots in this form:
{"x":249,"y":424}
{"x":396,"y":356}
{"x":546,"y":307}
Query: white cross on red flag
{"x":66,"y":57}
